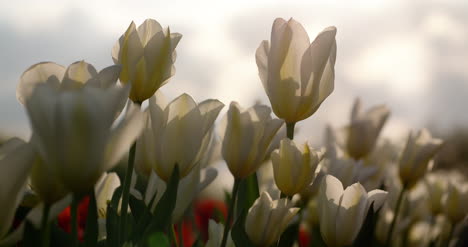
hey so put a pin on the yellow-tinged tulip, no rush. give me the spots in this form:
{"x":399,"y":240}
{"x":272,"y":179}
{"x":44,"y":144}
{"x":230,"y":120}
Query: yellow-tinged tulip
{"x":246,"y":138}
{"x":294,"y":167}
{"x":215,"y":234}
{"x":364,"y":129}
{"x":297,"y":75}
{"x":267,"y":219}
{"x":181,"y":132}
{"x":343,"y":211}
{"x":73,"y":129}
{"x":414,"y":162}
{"x":16,"y":159}
{"x":147,"y":55}
{"x":455,"y":200}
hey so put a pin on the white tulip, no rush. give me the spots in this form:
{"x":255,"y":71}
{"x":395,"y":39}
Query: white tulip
{"x":364,"y":129}
{"x":147,"y":55}
{"x":74,"y":130}
{"x":294,"y":167}
{"x":246,"y":138}
{"x":414,"y":162}
{"x":297,"y":75}
{"x":77,"y":75}
{"x":267,"y":219}
{"x":181,"y":132}
{"x":343,"y":211}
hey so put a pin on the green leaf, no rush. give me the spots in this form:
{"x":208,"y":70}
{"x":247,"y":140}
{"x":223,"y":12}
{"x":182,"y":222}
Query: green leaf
{"x":158,"y":239}
{"x":112,"y":219}
{"x":59,"y":237}
{"x":248,"y":193}
{"x":238,"y":234}
{"x":289,"y":235}
{"x":144,"y":219}
{"x":116,"y":197}
{"x":91,"y":231}
{"x":137,"y":207}
{"x":166,"y":205}
{"x":31,"y":235}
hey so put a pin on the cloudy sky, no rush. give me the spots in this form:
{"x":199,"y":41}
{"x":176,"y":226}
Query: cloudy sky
{"x":410,"y":55}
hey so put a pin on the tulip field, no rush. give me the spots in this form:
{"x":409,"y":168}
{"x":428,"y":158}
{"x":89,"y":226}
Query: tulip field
{"x":114,"y":162}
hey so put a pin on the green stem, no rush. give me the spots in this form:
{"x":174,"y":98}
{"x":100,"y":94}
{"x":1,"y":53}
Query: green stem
{"x":290,"y":130}
{"x":232,"y":203}
{"x":173,"y":236}
{"x":74,"y":220}
{"x":126,"y":193}
{"x":394,"y":220}
{"x":45,"y":226}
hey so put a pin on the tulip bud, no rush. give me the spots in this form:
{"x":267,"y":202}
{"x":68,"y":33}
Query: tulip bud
{"x":147,"y":55}
{"x":294,"y":167}
{"x":16,"y":159}
{"x":181,"y":132}
{"x":247,"y":136}
{"x":454,"y":201}
{"x":414,"y":161}
{"x":73,"y":124}
{"x":364,"y":129}
{"x":267,"y":219}
{"x":342,"y":212}
{"x":297,"y":75}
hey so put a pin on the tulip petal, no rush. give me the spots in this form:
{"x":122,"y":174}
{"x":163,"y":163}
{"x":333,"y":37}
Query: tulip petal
{"x":147,"y":30}
{"x":109,"y":76}
{"x":78,"y":74}
{"x":123,"y":136}
{"x":330,"y":193}
{"x":14,"y":170}
{"x":182,"y":136}
{"x":104,"y":190}
{"x":209,"y":110}
{"x":41,"y":109}
{"x":261,"y":57}
{"x":318,"y":75}
{"x":315,"y":58}
{"x":46,"y":72}
{"x":127,"y":52}
{"x":351,"y":214}
{"x":377,"y":197}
